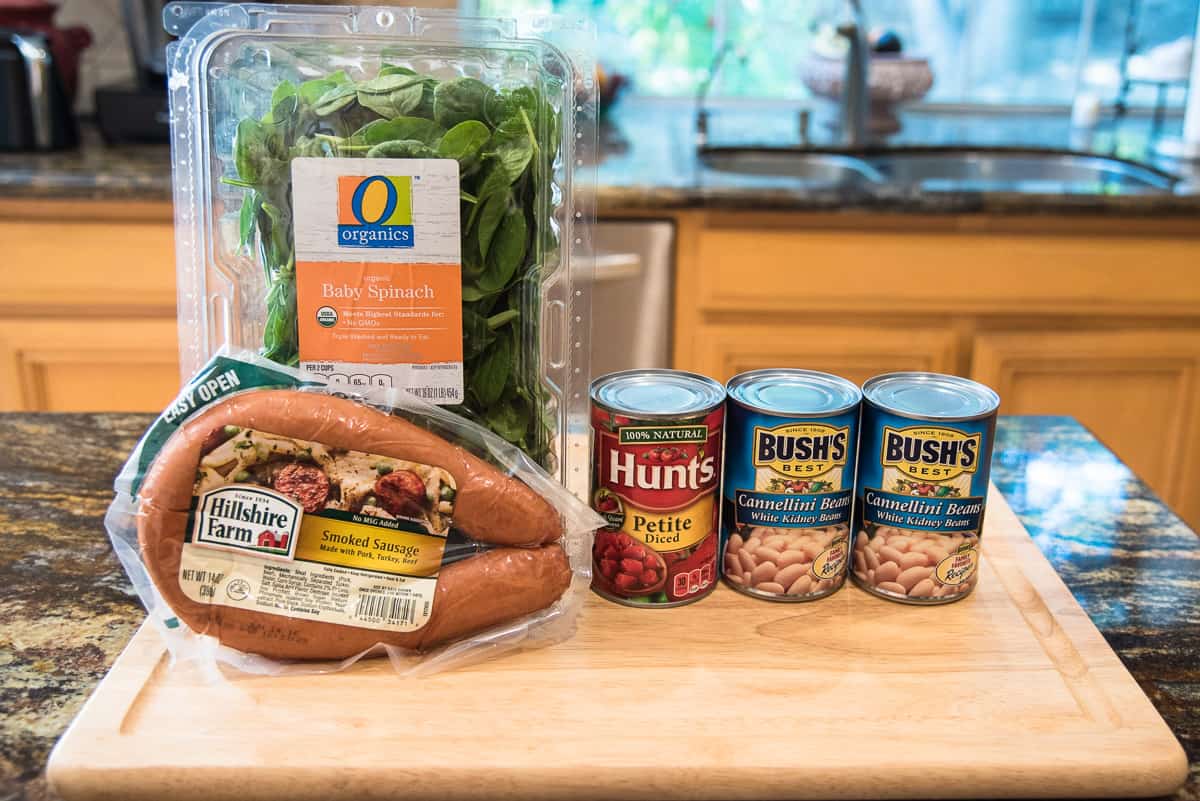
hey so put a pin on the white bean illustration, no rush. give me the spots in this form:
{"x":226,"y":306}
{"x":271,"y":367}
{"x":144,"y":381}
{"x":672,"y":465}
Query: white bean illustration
{"x":779,"y":561}
{"x":904,"y":563}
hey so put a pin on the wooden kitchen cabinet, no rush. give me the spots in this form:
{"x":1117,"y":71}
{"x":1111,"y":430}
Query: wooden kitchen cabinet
{"x":856,"y":352}
{"x":1094,"y":318}
{"x":1138,"y":390}
{"x":87,"y":312}
{"x":68,"y":365}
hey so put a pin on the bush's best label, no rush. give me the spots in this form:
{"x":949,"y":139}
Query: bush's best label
{"x":301,"y":529}
{"x":794,"y":474}
{"x":832,"y":561}
{"x":801,"y":449}
{"x":656,"y":485}
{"x":958,"y":567}
{"x":792,"y":477}
{"x":930,"y":453}
{"x":925,"y":481}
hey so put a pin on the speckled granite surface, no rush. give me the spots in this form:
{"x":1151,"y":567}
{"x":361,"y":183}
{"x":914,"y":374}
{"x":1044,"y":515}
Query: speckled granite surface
{"x":93,"y":172}
{"x":1130,"y":562}
{"x":647,"y":161}
{"x":66,"y":610}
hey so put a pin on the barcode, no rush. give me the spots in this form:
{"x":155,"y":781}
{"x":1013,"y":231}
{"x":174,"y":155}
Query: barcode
{"x":388,"y":608}
{"x":436,"y":393}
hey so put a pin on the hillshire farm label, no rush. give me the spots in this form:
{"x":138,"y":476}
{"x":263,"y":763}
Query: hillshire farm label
{"x":294,"y":527}
{"x":252,"y":519}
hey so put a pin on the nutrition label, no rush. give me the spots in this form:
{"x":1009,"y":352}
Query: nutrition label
{"x":306,"y":590}
{"x":436,"y":383}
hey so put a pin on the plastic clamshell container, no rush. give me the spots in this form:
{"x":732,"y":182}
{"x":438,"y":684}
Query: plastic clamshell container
{"x":227,"y":67}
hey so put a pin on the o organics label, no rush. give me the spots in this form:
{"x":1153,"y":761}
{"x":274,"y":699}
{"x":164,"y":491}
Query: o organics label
{"x":375,"y":211}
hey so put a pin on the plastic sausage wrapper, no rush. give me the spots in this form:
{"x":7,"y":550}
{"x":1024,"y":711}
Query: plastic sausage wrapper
{"x":279,"y":524}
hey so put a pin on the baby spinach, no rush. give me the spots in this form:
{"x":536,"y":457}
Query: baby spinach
{"x":462,"y":99}
{"x":512,"y":144}
{"x":417,"y":128}
{"x":391,"y":96}
{"x":505,"y":143}
{"x":402,"y":149}
{"x":463,"y":143}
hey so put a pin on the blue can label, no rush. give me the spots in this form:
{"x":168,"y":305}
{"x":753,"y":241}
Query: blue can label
{"x":922,"y":490}
{"x":789,"y":486}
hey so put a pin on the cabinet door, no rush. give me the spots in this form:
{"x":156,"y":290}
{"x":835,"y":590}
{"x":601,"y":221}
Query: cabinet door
{"x":1136,"y":390}
{"x":855,"y":352}
{"x":64,"y":365}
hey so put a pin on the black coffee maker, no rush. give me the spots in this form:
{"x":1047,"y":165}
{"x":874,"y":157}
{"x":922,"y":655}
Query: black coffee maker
{"x":35,"y":113}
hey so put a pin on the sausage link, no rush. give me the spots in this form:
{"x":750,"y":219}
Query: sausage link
{"x":476,"y":593}
{"x":489,"y":506}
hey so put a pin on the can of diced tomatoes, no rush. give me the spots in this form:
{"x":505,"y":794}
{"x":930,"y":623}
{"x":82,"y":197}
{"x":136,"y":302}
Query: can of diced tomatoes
{"x":922,"y":486}
{"x":656,"y":445}
{"x":789,"y":483}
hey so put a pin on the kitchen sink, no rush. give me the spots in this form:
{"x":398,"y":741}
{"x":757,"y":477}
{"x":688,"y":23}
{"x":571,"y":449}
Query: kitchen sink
{"x":1002,"y":170}
{"x":945,"y":169}
{"x":806,"y":166}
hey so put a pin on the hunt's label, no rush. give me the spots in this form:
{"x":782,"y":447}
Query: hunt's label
{"x":378,"y":273}
{"x":301,"y":529}
{"x":656,"y":484}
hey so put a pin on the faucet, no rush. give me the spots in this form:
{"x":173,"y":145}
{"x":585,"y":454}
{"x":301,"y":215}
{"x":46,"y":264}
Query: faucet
{"x":855,"y":92}
{"x":703,"y":89}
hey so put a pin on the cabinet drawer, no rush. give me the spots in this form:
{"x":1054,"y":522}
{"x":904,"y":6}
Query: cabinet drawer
{"x":64,"y":365}
{"x":778,"y":270}
{"x":79,"y":266}
{"x":854,"y":352}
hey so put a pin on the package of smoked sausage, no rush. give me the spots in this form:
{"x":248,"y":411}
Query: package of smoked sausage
{"x":278,"y":523}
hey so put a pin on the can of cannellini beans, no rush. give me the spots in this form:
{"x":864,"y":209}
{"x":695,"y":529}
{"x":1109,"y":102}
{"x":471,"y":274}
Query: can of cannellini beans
{"x":789,"y":483}
{"x":922,"y":485}
{"x":656,"y":477}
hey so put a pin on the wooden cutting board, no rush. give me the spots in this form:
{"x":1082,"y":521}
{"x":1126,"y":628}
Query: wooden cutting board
{"x":1011,"y":692}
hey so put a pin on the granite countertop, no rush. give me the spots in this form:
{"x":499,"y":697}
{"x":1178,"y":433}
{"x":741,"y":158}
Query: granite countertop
{"x":67,"y":609}
{"x":647,"y":160}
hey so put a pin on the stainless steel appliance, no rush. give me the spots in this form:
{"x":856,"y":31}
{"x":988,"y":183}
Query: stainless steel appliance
{"x":35,"y":113}
{"x":632,"y":287}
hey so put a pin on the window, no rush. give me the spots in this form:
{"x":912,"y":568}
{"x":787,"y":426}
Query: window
{"x":1025,"y":52}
